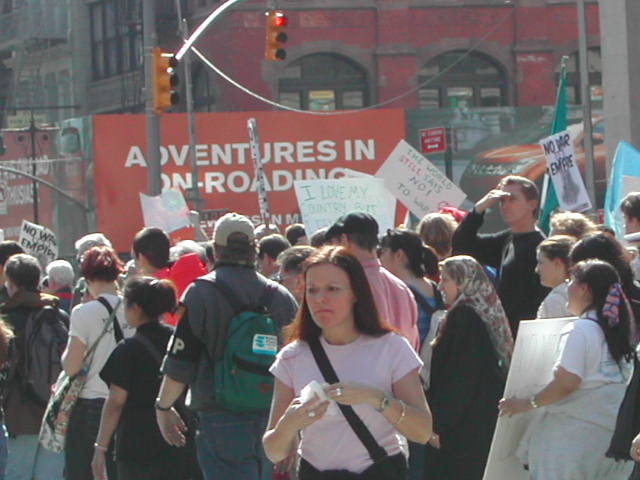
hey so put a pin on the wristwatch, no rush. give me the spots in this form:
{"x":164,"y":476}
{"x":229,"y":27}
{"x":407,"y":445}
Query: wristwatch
{"x":533,"y":403}
{"x":161,"y":408}
{"x":385,"y":402}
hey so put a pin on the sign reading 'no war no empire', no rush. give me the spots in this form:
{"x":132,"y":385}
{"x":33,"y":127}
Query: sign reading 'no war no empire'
{"x":418,"y":183}
{"x":38,"y":241}
{"x":322,"y":202}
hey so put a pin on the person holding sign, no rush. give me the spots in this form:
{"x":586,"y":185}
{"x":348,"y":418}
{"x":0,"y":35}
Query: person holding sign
{"x":581,"y":402}
{"x":471,"y":356}
{"x":513,"y":251}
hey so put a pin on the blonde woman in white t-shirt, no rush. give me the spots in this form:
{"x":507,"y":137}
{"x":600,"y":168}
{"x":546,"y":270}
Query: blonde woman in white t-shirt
{"x":589,"y":380}
{"x":377,"y":371}
{"x":553,"y":269}
{"x":100,"y":268}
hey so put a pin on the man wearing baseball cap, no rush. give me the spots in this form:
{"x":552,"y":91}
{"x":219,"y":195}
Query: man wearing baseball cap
{"x":358,"y":231}
{"x":229,"y":443}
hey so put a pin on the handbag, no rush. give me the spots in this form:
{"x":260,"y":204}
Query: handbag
{"x":55,"y":422}
{"x":385,"y":467}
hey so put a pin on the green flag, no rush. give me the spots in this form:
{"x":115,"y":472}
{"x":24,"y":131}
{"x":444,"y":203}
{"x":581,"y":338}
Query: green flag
{"x":550,"y":202}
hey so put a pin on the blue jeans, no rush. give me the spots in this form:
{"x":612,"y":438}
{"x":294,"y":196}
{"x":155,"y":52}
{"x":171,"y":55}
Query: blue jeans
{"x":230,"y":446}
{"x":28,"y":460}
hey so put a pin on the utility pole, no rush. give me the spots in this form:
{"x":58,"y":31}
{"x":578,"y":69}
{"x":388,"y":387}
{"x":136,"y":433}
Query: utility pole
{"x":194,"y":191}
{"x":585,"y":94}
{"x":150,"y":39}
{"x":34,"y":169}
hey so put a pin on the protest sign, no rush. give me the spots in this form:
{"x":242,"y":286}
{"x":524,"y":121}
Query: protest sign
{"x":417,"y":183}
{"x":4,"y":197}
{"x":168,"y":211}
{"x":254,"y":142}
{"x":322,"y":202}
{"x":535,"y":353}
{"x":1,"y":235}
{"x":564,"y":172}
{"x":38,"y":241}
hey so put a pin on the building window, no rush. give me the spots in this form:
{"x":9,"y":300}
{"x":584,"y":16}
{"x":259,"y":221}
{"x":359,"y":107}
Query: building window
{"x":115,"y":37}
{"x":204,"y":99}
{"x":594,"y":64}
{"x":324,"y":82}
{"x":472,"y":81}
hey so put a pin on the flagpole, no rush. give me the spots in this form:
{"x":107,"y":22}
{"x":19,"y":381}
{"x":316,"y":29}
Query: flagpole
{"x":585,"y":94}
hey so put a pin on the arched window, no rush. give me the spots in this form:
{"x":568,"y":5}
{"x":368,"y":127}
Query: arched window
{"x":204,"y":99}
{"x":324,"y":81}
{"x":476,"y":81}
{"x":594,"y":63}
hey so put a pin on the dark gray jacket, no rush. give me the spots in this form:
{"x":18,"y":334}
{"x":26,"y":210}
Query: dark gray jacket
{"x":201,"y":332}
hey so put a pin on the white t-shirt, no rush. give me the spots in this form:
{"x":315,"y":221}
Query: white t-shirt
{"x":555,"y":303}
{"x":87,"y":321}
{"x":584,"y":352}
{"x":330,"y":443}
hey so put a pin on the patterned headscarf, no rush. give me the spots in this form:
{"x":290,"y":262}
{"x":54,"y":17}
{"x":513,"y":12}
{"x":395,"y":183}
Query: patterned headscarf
{"x":477,"y":291}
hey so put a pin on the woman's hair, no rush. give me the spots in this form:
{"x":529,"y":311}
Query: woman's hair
{"x":436,"y":230}
{"x":153,"y":296}
{"x":601,"y":246}
{"x":101,"y":264}
{"x":599,"y":276}
{"x":572,"y":223}
{"x":557,"y":247}
{"x":6,"y":336}
{"x":365,"y":313}
{"x":421,"y":259}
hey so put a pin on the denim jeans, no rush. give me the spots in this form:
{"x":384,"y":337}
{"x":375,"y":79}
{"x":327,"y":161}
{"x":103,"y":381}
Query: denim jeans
{"x":28,"y":460}
{"x":230,"y":446}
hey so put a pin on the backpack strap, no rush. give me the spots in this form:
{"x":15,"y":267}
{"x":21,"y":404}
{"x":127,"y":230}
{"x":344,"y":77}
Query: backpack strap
{"x":236,"y":304}
{"x":376,"y":452}
{"x":149,"y":347}
{"x":117,"y":331}
{"x":426,"y":305}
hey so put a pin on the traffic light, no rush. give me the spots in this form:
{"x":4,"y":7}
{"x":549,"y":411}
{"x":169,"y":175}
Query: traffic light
{"x":276,"y":37}
{"x":165,"y":79}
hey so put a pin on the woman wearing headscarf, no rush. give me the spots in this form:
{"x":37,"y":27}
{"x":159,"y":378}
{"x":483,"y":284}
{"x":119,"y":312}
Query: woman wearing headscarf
{"x":471,"y":356}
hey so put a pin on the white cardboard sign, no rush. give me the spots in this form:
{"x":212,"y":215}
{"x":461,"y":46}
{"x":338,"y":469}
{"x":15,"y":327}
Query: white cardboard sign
{"x":418,"y":183}
{"x":564,"y":172}
{"x":38,"y":241}
{"x":322,"y":202}
{"x":535,"y":353}
{"x":168,"y":211}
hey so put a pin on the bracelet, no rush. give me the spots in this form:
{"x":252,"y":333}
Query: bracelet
{"x":97,"y":446}
{"x":161,"y":408}
{"x":404,"y":412}
{"x":533,"y":403}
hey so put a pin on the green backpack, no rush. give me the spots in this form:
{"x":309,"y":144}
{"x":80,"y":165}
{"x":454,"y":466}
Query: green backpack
{"x":243,"y":382}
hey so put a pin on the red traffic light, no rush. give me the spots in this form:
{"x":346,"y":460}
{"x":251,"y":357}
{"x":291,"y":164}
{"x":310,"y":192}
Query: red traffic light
{"x":275,"y":35}
{"x":280,"y":20}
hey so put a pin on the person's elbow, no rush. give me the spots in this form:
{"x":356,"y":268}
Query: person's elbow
{"x":270,"y":449}
{"x":422,"y":429}
{"x":70,"y":366}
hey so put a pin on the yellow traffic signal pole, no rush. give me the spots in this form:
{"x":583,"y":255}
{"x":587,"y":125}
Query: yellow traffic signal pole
{"x":150,"y":38}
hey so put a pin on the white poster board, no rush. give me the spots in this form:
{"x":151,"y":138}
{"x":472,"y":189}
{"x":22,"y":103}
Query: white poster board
{"x":322,"y":202}
{"x":4,"y":197}
{"x":168,"y":211}
{"x":38,"y":241}
{"x":418,"y":183}
{"x":535,"y":353}
{"x":563,"y":170}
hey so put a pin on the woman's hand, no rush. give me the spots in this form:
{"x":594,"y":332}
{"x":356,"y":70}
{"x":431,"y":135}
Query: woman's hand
{"x":350,"y":393}
{"x":172,"y":427}
{"x":299,"y":415}
{"x":98,"y":464}
{"x":635,"y":449}
{"x":513,"y":406}
{"x":434,"y":441}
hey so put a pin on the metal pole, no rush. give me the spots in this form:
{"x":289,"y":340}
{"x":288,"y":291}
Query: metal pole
{"x":194,"y":191}
{"x":150,"y":38}
{"x":585,"y":94}
{"x":34,"y":169}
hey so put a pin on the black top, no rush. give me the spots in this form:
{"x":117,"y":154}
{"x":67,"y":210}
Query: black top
{"x":466,"y":385}
{"x":513,"y":255}
{"x":132,"y":368}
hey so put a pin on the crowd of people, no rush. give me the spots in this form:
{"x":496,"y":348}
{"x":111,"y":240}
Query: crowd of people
{"x":346,"y":353}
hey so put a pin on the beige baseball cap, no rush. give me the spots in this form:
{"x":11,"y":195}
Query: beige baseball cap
{"x":232,"y":223}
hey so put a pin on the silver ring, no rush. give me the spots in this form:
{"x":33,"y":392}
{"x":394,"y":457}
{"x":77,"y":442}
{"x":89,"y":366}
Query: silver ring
{"x":338,"y":392}
{"x":311,"y":413}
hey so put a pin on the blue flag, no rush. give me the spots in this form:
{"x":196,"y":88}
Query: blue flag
{"x":626,"y":163}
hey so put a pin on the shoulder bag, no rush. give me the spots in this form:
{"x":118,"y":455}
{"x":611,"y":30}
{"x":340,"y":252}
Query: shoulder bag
{"x":385,"y":467}
{"x":55,"y":421}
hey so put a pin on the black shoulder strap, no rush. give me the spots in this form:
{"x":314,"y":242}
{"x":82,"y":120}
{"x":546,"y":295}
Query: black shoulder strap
{"x":426,"y":305}
{"x":376,"y":452}
{"x":149,"y":346}
{"x":117,"y":331}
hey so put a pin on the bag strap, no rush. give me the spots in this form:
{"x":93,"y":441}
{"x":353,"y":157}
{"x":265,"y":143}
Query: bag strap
{"x":88,"y":356}
{"x":376,"y":452}
{"x":424,"y":304}
{"x":149,"y":347}
{"x":236,"y":304}
{"x":117,"y":331}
